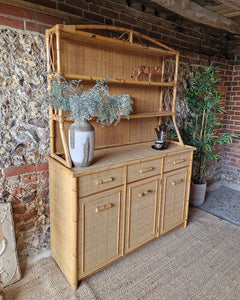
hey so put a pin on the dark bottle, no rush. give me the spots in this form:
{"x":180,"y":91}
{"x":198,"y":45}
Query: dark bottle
{"x":163,"y":135}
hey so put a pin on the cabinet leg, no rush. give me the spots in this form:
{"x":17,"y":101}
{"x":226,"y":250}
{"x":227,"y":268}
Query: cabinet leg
{"x":74,"y":287}
{"x":184,"y":224}
{"x":74,"y":284}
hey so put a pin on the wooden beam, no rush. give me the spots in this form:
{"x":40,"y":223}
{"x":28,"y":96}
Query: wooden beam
{"x":224,"y":10}
{"x":190,"y":10}
{"x":232,"y":14}
{"x":219,"y":9}
{"x":235,"y":4}
{"x":43,"y":9}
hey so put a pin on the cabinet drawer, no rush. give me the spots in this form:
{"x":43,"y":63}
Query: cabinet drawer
{"x":93,"y":183}
{"x":176,"y":161}
{"x":144,"y":170}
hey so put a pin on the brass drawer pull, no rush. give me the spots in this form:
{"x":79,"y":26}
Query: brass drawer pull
{"x":177,"y":181}
{"x":140,"y":195}
{"x":145,"y":170}
{"x":178,"y":161}
{"x":104,"y":207}
{"x":101,"y":181}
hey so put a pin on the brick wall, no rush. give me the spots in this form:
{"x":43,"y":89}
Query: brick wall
{"x":26,"y":186}
{"x":173,"y":30}
{"x":25,"y":19}
{"x":230,"y":163}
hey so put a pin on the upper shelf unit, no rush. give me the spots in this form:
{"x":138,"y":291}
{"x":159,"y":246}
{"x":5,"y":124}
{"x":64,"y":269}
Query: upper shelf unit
{"x":131,"y":63}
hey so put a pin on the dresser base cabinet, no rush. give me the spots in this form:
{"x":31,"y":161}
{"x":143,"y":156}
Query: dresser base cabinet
{"x":105,"y":211}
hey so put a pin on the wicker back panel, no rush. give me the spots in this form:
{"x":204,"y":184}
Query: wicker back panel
{"x":126,"y":132}
{"x":145,"y":98}
{"x":86,"y":59}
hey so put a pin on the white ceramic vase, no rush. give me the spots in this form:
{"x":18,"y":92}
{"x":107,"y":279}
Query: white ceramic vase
{"x":81,"y":141}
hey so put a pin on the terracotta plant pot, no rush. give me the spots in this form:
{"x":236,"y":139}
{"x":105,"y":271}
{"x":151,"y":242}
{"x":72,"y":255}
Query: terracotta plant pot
{"x":198,"y":193}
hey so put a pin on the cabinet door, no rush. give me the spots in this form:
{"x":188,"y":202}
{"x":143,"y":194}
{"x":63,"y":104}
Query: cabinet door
{"x":100,"y":229}
{"x":173,"y":199}
{"x":141,"y":213}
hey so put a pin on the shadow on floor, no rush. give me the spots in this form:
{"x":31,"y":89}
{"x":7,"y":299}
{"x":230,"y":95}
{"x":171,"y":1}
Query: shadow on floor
{"x":224,"y":203}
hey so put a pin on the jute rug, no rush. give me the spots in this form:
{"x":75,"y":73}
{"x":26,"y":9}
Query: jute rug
{"x":199,"y":262}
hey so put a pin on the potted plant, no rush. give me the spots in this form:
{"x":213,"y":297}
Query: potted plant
{"x":84,"y":105}
{"x":205,"y":109}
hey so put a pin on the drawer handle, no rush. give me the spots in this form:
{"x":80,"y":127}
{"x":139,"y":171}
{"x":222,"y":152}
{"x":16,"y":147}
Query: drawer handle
{"x":178,"y":161}
{"x":104,"y":207}
{"x":140,"y":195}
{"x":177,"y":181}
{"x":146,"y":170}
{"x":101,"y":181}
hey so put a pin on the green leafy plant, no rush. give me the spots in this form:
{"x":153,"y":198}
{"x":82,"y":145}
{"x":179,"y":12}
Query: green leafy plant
{"x":204,"y":102}
{"x":85,"y":104}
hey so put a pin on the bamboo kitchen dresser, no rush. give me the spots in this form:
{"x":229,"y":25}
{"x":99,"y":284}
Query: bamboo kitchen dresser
{"x":131,"y":194}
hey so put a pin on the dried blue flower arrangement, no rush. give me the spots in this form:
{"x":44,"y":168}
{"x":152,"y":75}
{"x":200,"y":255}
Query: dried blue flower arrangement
{"x":95,"y":102}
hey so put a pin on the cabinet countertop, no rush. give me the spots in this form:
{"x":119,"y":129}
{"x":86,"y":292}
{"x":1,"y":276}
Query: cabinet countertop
{"x":109,"y":158}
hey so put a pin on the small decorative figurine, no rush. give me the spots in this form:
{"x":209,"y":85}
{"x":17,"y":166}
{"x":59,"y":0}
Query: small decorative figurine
{"x":137,"y":72}
{"x":161,"y":142}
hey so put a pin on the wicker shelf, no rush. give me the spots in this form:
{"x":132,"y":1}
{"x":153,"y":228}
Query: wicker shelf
{"x":56,"y":117}
{"x":151,"y":115}
{"x":120,"y":81}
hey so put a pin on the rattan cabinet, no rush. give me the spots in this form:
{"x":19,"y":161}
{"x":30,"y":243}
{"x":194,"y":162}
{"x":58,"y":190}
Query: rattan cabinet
{"x":103,"y":212}
{"x":131,"y":194}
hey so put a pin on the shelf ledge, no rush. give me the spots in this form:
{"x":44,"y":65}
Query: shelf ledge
{"x":55,"y":116}
{"x":121,"y":81}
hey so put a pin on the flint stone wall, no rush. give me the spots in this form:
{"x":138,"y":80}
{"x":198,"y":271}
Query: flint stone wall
{"x":24,"y":137}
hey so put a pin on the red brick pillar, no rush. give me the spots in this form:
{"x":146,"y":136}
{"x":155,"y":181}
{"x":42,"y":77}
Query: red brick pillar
{"x":231,"y":153}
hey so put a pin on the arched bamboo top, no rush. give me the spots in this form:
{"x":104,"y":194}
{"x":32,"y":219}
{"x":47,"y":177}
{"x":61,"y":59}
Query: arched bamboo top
{"x":126,"y":37}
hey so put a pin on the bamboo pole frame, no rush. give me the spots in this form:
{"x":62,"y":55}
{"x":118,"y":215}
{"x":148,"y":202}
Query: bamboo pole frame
{"x":122,"y":29}
{"x":75,"y":232}
{"x":187,"y":199}
{"x":174,"y":101}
